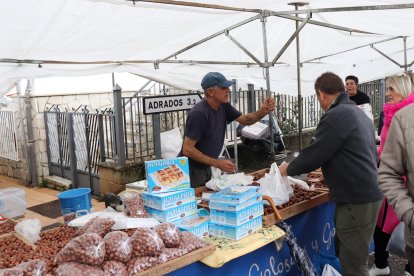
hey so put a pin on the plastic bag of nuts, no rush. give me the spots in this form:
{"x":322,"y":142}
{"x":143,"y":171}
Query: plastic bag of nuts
{"x":114,"y":268}
{"x":98,"y":225}
{"x":70,"y":269}
{"x":172,"y":253}
{"x":14,"y":271}
{"x":33,"y":268}
{"x":169,"y":234}
{"x":117,"y":246}
{"x":139,"y":264}
{"x":190,"y":241}
{"x":86,"y":249}
{"x":146,"y":242}
{"x":134,"y":206}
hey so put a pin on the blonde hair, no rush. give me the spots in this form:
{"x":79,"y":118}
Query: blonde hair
{"x":402,"y":84}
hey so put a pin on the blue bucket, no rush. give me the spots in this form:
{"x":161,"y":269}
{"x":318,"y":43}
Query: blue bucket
{"x":75,"y":203}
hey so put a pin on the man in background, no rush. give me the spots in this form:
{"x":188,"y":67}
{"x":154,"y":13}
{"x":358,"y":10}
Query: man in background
{"x":359,"y":97}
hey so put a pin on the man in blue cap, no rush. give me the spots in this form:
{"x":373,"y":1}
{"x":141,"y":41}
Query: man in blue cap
{"x":206,"y":126}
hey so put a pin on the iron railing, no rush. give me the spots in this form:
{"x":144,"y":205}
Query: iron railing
{"x":8,"y":144}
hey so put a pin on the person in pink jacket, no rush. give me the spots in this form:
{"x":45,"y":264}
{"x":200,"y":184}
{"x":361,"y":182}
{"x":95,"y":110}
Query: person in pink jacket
{"x":399,"y":94}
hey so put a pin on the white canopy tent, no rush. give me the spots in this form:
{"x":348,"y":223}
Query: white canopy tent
{"x":52,"y":38}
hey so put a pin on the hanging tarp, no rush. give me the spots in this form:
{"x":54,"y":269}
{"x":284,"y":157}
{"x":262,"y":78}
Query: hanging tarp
{"x":50,"y":38}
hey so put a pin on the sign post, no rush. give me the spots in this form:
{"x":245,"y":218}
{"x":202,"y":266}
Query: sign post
{"x":160,"y":104}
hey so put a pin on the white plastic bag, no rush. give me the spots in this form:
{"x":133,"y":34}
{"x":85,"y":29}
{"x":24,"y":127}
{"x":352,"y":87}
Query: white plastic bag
{"x":276,"y":186}
{"x":30,"y":229}
{"x":367,"y":110}
{"x":227,"y":180}
{"x":328,"y":270}
{"x":171,"y":143}
{"x":297,"y":182}
{"x":396,"y":244}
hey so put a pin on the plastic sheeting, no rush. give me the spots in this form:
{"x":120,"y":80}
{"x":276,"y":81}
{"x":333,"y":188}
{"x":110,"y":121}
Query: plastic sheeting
{"x":119,"y":36}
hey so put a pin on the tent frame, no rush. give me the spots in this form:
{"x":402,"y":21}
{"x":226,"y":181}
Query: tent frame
{"x":261,"y":15}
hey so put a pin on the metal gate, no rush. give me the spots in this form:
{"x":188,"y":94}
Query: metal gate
{"x":77,"y":142}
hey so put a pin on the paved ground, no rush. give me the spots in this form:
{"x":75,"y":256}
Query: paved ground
{"x":36,"y":196}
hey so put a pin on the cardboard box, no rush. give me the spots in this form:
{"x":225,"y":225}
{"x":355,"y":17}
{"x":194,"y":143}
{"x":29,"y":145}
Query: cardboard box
{"x":235,"y":194}
{"x":196,"y":224}
{"x":175,"y":213}
{"x":164,"y":201}
{"x":167,"y":175}
{"x":237,"y":217}
{"x":235,"y":232}
{"x":234,"y":206}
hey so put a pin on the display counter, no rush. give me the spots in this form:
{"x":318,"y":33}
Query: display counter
{"x":314,"y":230}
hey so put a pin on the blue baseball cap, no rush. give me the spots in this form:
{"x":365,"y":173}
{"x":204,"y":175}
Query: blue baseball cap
{"x":212,"y":79}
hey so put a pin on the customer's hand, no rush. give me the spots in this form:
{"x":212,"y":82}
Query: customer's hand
{"x":225,"y":165}
{"x":283,"y":169}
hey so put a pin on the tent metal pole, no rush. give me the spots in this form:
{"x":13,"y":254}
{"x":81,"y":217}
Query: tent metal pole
{"x":322,"y":24}
{"x":359,"y":47}
{"x":243,"y":48}
{"x":30,"y":135}
{"x":208,"y":38}
{"x":386,"y":56}
{"x":341,"y":9}
{"x":292,"y":37}
{"x":198,"y":5}
{"x":28,"y":177}
{"x":297,"y":5}
{"x":178,"y":61}
{"x":405,"y":54}
{"x":268,"y":94}
{"x":234,"y":99}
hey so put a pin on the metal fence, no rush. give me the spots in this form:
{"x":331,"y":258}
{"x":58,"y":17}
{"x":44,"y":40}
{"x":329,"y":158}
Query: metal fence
{"x":8,"y":144}
{"x":140,"y":130}
{"x":77,"y":142}
{"x":376,"y":92}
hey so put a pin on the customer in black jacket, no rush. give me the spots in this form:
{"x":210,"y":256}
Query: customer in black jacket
{"x":344,"y":147}
{"x":351,"y":85}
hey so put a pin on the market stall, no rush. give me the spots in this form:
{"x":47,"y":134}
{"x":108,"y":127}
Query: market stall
{"x":180,"y":248}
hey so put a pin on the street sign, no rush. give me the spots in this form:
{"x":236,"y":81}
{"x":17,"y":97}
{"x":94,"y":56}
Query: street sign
{"x":159,"y":104}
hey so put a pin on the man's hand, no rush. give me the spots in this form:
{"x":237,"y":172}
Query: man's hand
{"x":283,"y":168}
{"x":267,"y":106}
{"x":225,"y":165}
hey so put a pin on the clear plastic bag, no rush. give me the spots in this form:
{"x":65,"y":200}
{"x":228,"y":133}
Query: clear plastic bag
{"x":114,"y":268}
{"x":169,"y":234}
{"x":117,"y":246}
{"x":30,"y":229}
{"x":14,"y":271}
{"x":33,"y":268}
{"x":85,"y":249}
{"x":139,"y":264}
{"x":29,"y":268}
{"x":98,"y":225}
{"x":190,"y":242}
{"x":146,"y":242}
{"x":71,"y":269}
{"x":134,"y":205}
{"x":172,"y":253}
